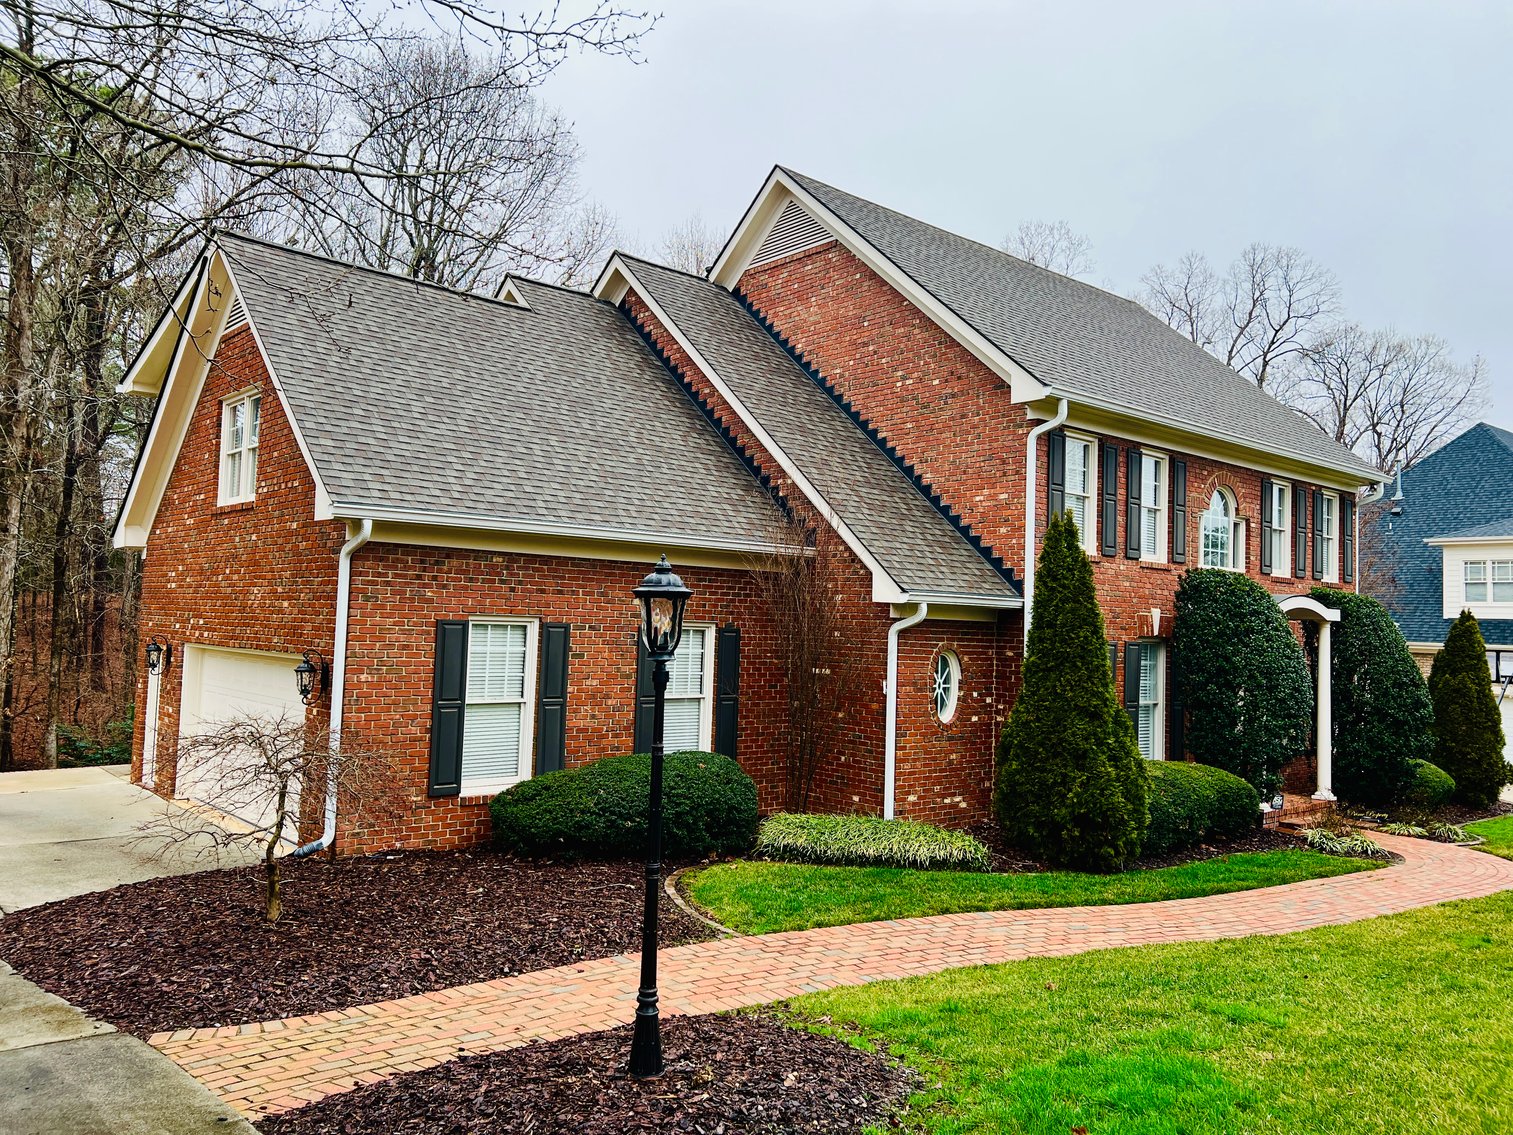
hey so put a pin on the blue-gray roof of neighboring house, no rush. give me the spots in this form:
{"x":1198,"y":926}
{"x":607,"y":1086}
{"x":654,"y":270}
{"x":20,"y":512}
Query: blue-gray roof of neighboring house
{"x":1462,"y":489}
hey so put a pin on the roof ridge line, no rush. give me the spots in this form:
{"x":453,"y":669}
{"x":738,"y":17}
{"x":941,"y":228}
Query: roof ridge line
{"x":932,"y":496}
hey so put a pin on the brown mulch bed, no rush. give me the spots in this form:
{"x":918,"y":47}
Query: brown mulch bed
{"x":192,"y":950}
{"x":1008,"y":859}
{"x":736,"y":1075}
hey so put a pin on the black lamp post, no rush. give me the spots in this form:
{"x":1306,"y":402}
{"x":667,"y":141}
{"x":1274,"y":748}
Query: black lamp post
{"x":662,"y":597}
{"x":159,"y":654}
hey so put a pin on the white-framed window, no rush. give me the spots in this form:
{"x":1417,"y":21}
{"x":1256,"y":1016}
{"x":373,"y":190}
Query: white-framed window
{"x":1221,"y":534}
{"x":946,"y":686}
{"x":1488,"y":581}
{"x":1329,"y":538}
{"x":1149,"y":713}
{"x":498,"y":719}
{"x":689,"y":720}
{"x":1082,"y":489}
{"x":1277,"y":529}
{"x":241,"y":416}
{"x":1153,"y":507}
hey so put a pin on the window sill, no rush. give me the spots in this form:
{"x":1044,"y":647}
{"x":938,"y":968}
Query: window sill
{"x":1156,"y":565}
{"x":235,"y":506}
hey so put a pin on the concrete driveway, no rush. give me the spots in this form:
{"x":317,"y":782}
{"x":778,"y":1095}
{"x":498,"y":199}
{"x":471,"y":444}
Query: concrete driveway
{"x":66,"y":832}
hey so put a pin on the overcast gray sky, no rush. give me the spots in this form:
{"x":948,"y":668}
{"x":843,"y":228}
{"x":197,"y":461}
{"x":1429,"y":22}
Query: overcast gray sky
{"x":1376,"y":136}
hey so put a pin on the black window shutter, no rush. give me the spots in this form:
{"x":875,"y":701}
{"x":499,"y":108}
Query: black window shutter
{"x":1132,"y":681}
{"x":645,"y":697}
{"x":448,"y":697}
{"x":1055,"y":470}
{"x":1347,"y":539}
{"x":1179,"y":511}
{"x":1266,"y":528}
{"x":1108,"y":487}
{"x":551,"y":714}
{"x":1300,"y":531}
{"x":1318,"y":534}
{"x":1176,"y":719}
{"x":727,"y":691}
{"x":1132,"y":511}
{"x":1113,"y":661}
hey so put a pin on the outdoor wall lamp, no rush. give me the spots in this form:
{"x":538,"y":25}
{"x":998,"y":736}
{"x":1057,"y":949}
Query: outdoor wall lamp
{"x":313,"y":675}
{"x":662,"y":597}
{"x":159,"y":654}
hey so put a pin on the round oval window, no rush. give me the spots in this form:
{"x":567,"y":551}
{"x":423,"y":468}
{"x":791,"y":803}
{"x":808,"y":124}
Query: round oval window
{"x":947,"y":684}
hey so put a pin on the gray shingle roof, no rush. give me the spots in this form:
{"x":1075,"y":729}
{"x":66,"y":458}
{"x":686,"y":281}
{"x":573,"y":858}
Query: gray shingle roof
{"x":1463,"y":488}
{"x":418,"y":398}
{"x":917,"y":546}
{"x":1495,"y":530}
{"x":1082,"y":341}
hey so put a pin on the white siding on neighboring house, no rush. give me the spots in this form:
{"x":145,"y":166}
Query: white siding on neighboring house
{"x":1479,"y":576}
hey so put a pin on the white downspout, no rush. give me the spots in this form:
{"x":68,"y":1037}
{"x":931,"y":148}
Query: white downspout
{"x":890,"y":735}
{"x":1032,"y":485}
{"x":338,"y":679}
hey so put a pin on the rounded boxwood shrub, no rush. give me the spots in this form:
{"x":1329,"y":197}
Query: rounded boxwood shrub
{"x":1240,"y":675}
{"x":868,"y":841}
{"x":598,"y":810}
{"x":1190,"y":803}
{"x":1430,"y":786}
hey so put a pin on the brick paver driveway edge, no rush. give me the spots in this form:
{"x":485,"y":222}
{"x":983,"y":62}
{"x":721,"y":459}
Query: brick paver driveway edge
{"x":273,"y":1066}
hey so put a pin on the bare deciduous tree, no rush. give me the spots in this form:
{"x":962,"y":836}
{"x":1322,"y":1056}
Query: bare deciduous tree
{"x":691,"y":246}
{"x":1392,"y":398}
{"x":268,"y":765}
{"x":1053,"y":245}
{"x":1186,"y":297}
{"x":803,"y":597}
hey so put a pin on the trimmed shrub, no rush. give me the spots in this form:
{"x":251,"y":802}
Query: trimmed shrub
{"x":1468,"y":736}
{"x":1190,"y":803}
{"x":868,"y":841}
{"x":598,"y":810}
{"x":1383,"y":718}
{"x":1431,"y":786}
{"x":1351,"y":844}
{"x":1071,"y":784}
{"x":1240,"y":675}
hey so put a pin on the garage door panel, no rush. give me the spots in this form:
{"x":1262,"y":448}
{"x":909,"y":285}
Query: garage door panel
{"x":223,"y":685}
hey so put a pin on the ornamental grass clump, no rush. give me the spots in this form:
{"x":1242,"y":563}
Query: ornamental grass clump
{"x":1383,"y":718}
{"x":1348,"y":843}
{"x":1071,"y":784}
{"x":1467,"y":723}
{"x":867,"y":841}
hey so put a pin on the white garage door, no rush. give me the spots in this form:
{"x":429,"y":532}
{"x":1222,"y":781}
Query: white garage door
{"x":223,"y":684}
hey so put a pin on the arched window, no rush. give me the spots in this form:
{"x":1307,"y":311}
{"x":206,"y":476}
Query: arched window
{"x":947,"y":684}
{"x":1219,"y":536}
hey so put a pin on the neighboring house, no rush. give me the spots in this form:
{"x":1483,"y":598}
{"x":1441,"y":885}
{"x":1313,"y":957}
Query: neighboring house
{"x":1441,"y":541}
{"x":449,"y":498}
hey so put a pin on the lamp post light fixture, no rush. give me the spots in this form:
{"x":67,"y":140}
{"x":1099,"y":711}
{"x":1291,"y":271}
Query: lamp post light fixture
{"x":159,"y":654}
{"x":662,"y":597}
{"x":312,"y":675}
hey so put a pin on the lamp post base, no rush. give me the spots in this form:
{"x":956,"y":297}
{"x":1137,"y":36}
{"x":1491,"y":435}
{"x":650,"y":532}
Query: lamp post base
{"x":646,"y":1043}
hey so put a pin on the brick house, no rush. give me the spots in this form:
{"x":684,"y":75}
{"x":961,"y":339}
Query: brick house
{"x":448,"y":498}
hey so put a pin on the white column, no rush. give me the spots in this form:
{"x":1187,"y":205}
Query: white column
{"x":1325,"y":718}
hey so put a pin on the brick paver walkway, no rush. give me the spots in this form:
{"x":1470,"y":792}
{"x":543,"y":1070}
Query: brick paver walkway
{"x":277,"y":1065}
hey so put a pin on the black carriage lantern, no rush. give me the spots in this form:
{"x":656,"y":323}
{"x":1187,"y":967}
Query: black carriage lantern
{"x":312,"y":675}
{"x":662,"y":597}
{"x":159,"y":654}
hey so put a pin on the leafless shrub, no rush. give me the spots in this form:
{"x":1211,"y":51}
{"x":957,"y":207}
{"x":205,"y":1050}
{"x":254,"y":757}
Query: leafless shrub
{"x":262,"y":765}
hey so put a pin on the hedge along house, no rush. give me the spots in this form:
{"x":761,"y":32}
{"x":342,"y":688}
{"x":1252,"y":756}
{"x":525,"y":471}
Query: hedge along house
{"x":449,"y":498}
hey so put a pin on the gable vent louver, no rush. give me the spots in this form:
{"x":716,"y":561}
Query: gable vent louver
{"x":795,"y":230}
{"x":237,"y":315}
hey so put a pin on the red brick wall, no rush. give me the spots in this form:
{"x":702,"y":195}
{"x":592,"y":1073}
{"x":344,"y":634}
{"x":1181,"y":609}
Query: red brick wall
{"x":254,"y":576}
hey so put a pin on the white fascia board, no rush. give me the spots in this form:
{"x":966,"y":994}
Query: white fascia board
{"x":611,"y":284}
{"x":963,"y":599}
{"x":142,"y":377}
{"x":1491,"y":542}
{"x":884,"y":588}
{"x":779,"y":188}
{"x":1347,"y":478}
{"x":558,"y":530}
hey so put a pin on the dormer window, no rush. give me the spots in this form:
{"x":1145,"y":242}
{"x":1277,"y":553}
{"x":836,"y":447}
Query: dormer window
{"x":240,"y":415}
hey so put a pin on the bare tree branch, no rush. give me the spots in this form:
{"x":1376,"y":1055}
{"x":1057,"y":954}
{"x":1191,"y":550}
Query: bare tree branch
{"x":1053,"y":245}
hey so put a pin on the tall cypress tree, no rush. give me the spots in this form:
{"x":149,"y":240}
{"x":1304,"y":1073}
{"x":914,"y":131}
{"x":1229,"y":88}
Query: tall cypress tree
{"x":1071,"y":785}
{"x":1468,"y":734}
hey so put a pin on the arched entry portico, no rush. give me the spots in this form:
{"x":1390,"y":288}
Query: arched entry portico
{"x":1304,"y":609}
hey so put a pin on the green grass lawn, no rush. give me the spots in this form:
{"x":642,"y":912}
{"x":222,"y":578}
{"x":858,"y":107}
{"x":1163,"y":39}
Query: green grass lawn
{"x":759,"y":898}
{"x":1393,"y":1025}
{"x":1498,"y":833}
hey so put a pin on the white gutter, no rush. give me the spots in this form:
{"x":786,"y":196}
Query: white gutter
{"x":338,"y":681}
{"x":1032,"y":485}
{"x":890,"y":742}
